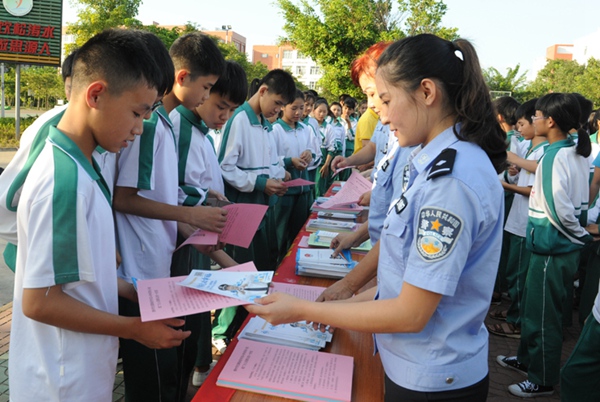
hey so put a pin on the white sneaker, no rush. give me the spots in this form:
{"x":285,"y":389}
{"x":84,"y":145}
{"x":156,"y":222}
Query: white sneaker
{"x":220,"y":345}
{"x":198,"y":377}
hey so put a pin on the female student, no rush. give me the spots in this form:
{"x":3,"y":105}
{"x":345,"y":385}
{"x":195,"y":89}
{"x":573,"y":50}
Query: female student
{"x":296,"y":150}
{"x":555,"y":236}
{"x":332,"y":135}
{"x":440,"y":245}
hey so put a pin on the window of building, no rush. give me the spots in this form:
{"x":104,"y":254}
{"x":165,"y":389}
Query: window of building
{"x":312,"y":85}
{"x":288,"y":54}
{"x":314,"y":70}
{"x":264,"y":55}
{"x":301,"y":55}
{"x":300,"y":70}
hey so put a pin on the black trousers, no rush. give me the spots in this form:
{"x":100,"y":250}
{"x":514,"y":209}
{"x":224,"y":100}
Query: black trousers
{"x":475,"y":393}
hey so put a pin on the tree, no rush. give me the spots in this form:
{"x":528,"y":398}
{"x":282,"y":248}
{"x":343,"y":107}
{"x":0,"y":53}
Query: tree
{"x":512,"y":81}
{"x":557,"y":76}
{"x":588,"y":83}
{"x":43,"y":85}
{"x":94,"y":16}
{"x":335,"y":33}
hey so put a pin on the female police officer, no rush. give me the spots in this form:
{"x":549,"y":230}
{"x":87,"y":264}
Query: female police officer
{"x":440,"y":245}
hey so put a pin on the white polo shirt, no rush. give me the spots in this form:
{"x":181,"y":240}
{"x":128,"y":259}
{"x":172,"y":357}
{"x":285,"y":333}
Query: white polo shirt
{"x":66,"y":232}
{"x":199,"y":169}
{"x":150,"y":165}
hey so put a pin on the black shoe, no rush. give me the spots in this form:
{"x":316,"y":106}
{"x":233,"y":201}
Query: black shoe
{"x":527,"y":389}
{"x":511,"y":362}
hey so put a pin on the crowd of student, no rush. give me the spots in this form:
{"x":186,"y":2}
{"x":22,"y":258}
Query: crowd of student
{"x":128,"y":169}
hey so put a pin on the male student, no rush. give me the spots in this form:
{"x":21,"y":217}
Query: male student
{"x":65,"y":325}
{"x":148,"y":213}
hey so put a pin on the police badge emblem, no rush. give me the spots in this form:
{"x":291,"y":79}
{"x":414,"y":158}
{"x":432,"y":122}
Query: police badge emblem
{"x":437,"y":233}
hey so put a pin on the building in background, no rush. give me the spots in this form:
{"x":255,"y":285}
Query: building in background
{"x":581,"y":50}
{"x":288,"y":58}
{"x":559,"y":52}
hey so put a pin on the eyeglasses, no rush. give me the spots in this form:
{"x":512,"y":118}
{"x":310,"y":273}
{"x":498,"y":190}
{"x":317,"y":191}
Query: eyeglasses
{"x":534,"y":118}
{"x":156,"y":106}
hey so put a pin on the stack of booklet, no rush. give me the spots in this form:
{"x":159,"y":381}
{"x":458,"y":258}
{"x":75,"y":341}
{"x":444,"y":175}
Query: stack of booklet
{"x":323,"y":238}
{"x":330,"y":224}
{"x":297,"y":334}
{"x":325,"y":204}
{"x":320,"y":263}
{"x":337,"y":215}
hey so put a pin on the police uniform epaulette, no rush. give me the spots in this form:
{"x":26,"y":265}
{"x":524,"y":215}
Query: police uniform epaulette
{"x":443,"y":164}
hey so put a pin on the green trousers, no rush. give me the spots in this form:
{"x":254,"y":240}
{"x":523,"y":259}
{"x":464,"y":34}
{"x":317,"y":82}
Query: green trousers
{"x":590,"y":285}
{"x":580,"y":377}
{"x":546,"y":285}
{"x":291,"y":212}
{"x":516,"y":273}
{"x":501,"y":285}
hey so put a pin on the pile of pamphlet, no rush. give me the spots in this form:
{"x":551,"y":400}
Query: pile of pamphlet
{"x":327,"y":204}
{"x":331,"y":225}
{"x":298,"y":334}
{"x":320,"y":263}
{"x":323,"y":238}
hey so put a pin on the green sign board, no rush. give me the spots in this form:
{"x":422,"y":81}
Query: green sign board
{"x":30,"y":31}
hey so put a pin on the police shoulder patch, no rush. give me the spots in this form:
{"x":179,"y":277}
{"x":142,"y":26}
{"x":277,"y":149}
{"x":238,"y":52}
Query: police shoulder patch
{"x":443,"y":164}
{"x":437,"y":233}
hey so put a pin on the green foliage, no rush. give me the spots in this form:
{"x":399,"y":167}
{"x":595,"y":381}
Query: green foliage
{"x":513,"y":81}
{"x":335,"y":32}
{"x":167,"y":36}
{"x":7,"y":130}
{"x":94,"y":16}
{"x":557,"y":76}
{"x":43,"y":86}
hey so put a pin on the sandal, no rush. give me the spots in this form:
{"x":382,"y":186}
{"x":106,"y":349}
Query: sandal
{"x":498,"y":315}
{"x":505,"y":329}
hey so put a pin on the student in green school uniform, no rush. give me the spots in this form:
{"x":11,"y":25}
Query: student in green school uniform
{"x":531,"y":151}
{"x":348,"y":122}
{"x":296,"y":149}
{"x":555,"y":236}
{"x":200,"y":173}
{"x":66,"y":285}
{"x":332,"y":135}
{"x":505,"y":108}
{"x":147,"y":210}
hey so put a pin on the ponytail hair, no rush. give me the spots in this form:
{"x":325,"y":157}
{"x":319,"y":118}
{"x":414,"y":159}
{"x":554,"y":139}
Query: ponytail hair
{"x":455,"y":66}
{"x":565,"y":111}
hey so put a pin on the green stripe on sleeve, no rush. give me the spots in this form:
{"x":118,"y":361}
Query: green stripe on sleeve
{"x":64,"y":219}
{"x":185,"y":140}
{"x":146,"y":157}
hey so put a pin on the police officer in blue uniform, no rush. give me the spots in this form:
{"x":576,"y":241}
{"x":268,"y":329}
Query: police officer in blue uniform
{"x":440,"y":244}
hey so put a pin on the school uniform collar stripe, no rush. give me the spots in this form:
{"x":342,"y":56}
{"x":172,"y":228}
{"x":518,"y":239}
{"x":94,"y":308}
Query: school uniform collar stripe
{"x":421,"y":158}
{"x":93,"y":170}
{"x":253,"y":118}
{"x":287,"y":127}
{"x":163,"y":113}
{"x":195,"y":120}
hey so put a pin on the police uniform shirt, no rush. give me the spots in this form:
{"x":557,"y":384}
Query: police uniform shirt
{"x":248,"y":154}
{"x":67,"y":238}
{"x":149,"y":164}
{"x":443,"y":235}
{"x":516,"y":222}
{"x":199,"y":169}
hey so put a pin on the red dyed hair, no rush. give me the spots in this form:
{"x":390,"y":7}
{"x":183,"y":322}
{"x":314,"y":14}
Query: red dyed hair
{"x":367,"y":63}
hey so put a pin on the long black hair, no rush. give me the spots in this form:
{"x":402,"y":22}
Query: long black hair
{"x":456,"y":67}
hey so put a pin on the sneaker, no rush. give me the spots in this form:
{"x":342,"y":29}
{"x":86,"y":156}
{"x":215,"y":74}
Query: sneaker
{"x":511,"y":362}
{"x":199,"y":377}
{"x":527,"y":389}
{"x":220,"y":345}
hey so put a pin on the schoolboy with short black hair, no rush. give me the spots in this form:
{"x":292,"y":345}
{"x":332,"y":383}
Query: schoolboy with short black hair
{"x":199,"y":178}
{"x":65,"y":323}
{"x":148,"y":213}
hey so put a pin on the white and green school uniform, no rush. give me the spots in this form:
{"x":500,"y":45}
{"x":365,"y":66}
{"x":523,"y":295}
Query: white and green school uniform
{"x":293,"y":208}
{"x":513,"y":145}
{"x":332,"y":137}
{"x":516,"y":227}
{"x":32,"y":142}
{"x":555,"y":235}
{"x":198,"y":172}
{"x":149,"y":164}
{"x":199,"y":169}
{"x":248,"y":158}
{"x":66,"y":232}
{"x":311,"y":122}
{"x":579,"y":376}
